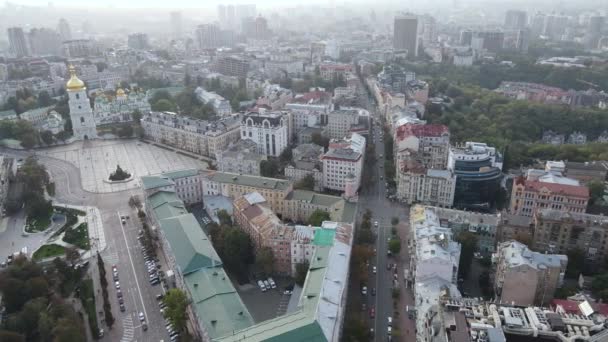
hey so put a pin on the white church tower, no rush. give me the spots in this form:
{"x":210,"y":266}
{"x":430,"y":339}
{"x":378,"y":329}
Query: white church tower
{"x":83,"y":122}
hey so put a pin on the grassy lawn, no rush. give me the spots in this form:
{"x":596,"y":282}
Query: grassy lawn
{"x":39,"y":224}
{"x":48,"y":251}
{"x":87,"y":297}
{"x":78,"y":236}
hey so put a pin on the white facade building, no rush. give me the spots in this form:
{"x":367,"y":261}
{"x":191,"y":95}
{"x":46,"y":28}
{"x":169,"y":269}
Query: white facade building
{"x":340,"y":163}
{"x":270,"y":131}
{"x":220,"y":105}
{"x":81,"y":114}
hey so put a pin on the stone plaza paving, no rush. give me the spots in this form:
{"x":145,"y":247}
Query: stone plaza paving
{"x":97,"y":159}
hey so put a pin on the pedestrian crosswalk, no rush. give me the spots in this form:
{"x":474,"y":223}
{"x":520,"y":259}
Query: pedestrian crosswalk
{"x":110,"y":256}
{"x":282,"y":309}
{"x":127,"y":329}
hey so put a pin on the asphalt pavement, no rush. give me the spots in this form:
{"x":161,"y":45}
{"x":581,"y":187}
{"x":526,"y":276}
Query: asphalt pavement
{"x":123,"y":250}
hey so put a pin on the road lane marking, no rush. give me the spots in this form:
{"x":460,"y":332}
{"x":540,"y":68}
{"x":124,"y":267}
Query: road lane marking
{"x":132,"y":265}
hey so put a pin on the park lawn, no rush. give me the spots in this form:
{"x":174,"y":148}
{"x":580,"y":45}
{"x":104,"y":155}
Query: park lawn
{"x":78,"y":236}
{"x":39,"y":224}
{"x":47,"y":251}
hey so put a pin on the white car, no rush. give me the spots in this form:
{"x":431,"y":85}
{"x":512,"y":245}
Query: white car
{"x":389,"y":331}
{"x":267,"y":284}
{"x":374,"y":269}
{"x":141,"y":316}
{"x":390,"y":321}
{"x":262,"y":286}
{"x":272,"y":283}
{"x":117,"y":284}
{"x":364,"y":290}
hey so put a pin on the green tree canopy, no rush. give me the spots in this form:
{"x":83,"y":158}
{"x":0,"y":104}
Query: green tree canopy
{"x":317,"y":217}
{"x":177,"y":303}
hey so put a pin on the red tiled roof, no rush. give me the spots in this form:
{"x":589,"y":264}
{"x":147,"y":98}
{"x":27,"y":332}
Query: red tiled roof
{"x":421,"y":131}
{"x":570,"y":190}
{"x":571,"y":306}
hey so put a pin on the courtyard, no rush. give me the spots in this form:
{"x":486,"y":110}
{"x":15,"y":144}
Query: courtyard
{"x":97,"y":159}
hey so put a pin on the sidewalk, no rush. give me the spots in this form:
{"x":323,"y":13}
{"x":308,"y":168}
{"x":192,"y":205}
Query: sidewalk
{"x":406,"y":326}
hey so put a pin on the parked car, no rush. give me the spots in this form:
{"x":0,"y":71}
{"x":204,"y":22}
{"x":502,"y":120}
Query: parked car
{"x":262,"y":286}
{"x":390,"y":320}
{"x":267,"y":284}
{"x":159,"y":296}
{"x":117,"y":285}
{"x":122,"y":308}
{"x":272,"y":283}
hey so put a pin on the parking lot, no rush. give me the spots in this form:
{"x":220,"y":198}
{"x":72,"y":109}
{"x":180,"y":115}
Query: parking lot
{"x":265,"y":305}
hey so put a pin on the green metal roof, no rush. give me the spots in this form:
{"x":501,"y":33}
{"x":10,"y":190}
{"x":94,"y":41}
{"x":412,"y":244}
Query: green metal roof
{"x":218,"y":305}
{"x":181,"y":173}
{"x":324,"y":237}
{"x":252,"y":181}
{"x":152,"y":182}
{"x":299,"y":326}
{"x":8,"y":114}
{"x":166,"y":204}
{"x":349,"y":212}
{"x":191,"y":247}
{"x":314,"y":198}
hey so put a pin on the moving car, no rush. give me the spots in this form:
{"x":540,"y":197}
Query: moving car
{"x":364,"y":290}
{"x":141,"y":316}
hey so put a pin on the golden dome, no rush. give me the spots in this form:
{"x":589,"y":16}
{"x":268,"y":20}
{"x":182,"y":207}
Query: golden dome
{"x":120,"y":92}
{"x":74,"y":84}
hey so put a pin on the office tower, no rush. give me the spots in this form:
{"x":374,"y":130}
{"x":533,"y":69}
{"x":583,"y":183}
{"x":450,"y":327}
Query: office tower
{"x":17,"y":42}
{"x":44,"y":41}
{"x":492,"y":40}
{"x":466,"y":36}
{"x":594,"y":32}
{"x":64,"y":30}
{"x":208,"y":36}
{"x":538,"y":24}
{"x":230,"y":17}
{"x":555,"y":26}
{"x":261,"y":28}
{"x":176,"y":25}
{"x":221,"y":15}
{"x":515,"y":19}
{"x":523,"y":40}
{"x":317,"y":51}
{"x":405,"y":34}
{"x":138,"y":41}
{"x":428,"y":29}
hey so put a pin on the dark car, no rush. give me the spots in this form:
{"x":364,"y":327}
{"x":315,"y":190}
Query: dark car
{"x":372,"y":312}
{"x":119,"y":294}
{"x":144,"y":326}
{"x":373,"y":291}
{"x":122,"y":307}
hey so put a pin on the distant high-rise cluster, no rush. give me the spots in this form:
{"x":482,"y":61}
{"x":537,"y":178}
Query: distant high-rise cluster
{"x":176,"y":24}
{"x":17,"y":41}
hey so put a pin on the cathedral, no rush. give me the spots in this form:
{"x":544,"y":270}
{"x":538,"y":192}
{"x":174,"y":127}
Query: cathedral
{"x":108,"y":109}
{"x":81,"y":114}
{"x":118,"y":108}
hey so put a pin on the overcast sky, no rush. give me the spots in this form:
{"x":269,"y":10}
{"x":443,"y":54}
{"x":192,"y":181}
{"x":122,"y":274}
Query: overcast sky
{"x":166,"y":4}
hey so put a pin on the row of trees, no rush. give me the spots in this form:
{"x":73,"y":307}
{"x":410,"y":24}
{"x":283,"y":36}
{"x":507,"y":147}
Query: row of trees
{"x":29,"y":136}
{"x":34,"y":310}
{"x":185,"y":102}
{"x":107,"y":307}
{"x":489,"y":75}
{"x":25,"y":100}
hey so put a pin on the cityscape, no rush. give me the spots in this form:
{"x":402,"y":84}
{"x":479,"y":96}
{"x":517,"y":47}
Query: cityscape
{"x":353,"y":171}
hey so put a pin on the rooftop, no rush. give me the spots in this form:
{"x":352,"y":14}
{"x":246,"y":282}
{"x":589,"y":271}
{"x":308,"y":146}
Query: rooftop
{"x":515,"y":254}
{"x":246,"y":180}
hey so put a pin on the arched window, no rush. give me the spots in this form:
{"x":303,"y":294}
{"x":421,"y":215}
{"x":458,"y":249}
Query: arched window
{"x":82,"y":119}
{"x":77,"y":96}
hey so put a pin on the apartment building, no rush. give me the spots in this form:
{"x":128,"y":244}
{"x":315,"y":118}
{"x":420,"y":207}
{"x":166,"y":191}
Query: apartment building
{"x":431,"y":142}
{"x":524,"y":277}
{"x":417,"y":184}
{"x":342,"y":167}
{"x":241,"y":157}
{"x":340,"y":122}
{"x":434,"y":258}
{"x":333,"y":71}
{"x":270,"y":131}
{"x":290,"y":244}
{"x":484,"y":226}
{"x":540,"y":190}
{"x":201,"y":137}
{"x":220,"y":105}
{"x":594,"y":171}
{"x":306,"y":160}
{"x":232,"y":66}
{"x":556,"y":231}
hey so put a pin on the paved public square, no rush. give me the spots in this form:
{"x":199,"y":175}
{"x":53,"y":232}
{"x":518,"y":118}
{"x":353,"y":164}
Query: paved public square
{"x":97,"y":159}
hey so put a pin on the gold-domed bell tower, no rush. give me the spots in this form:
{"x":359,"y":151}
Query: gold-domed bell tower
{"x":81,"y":114}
